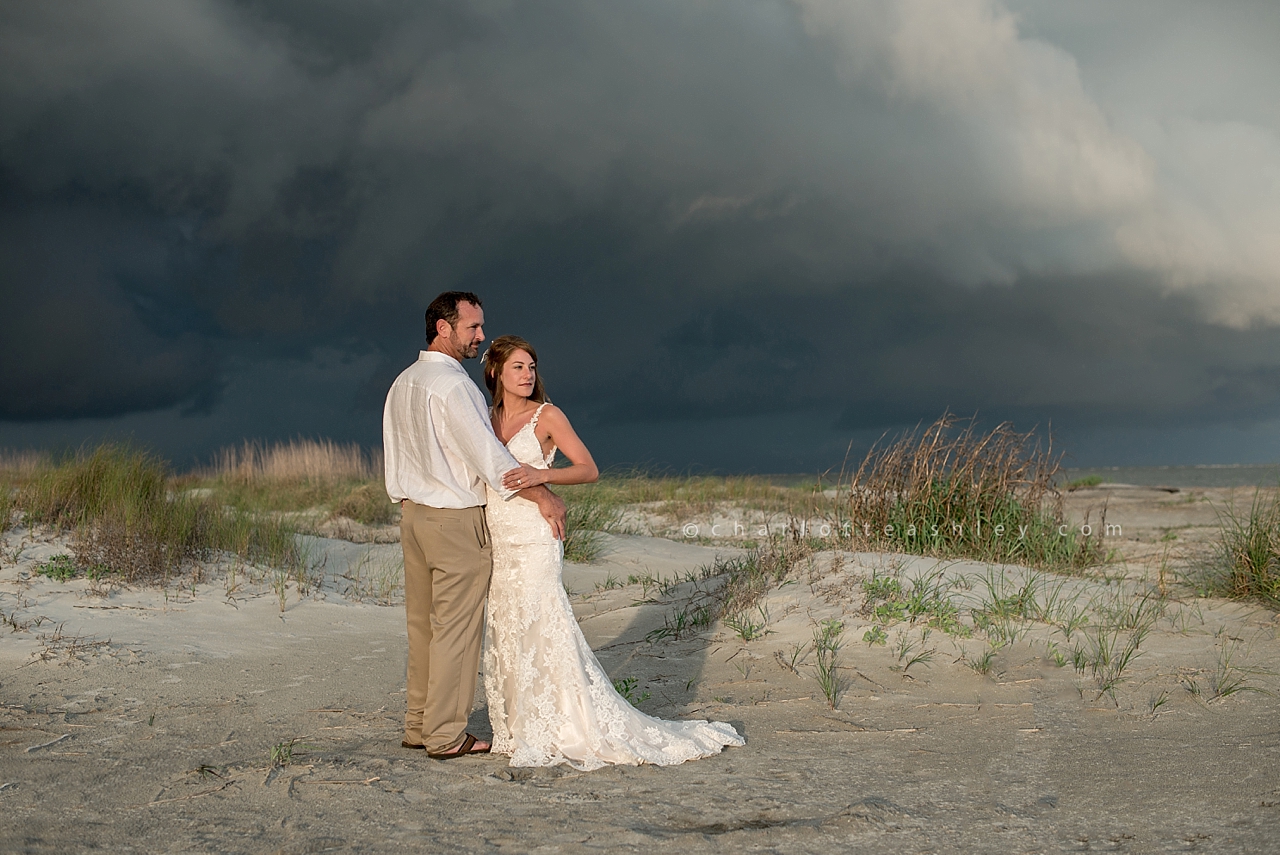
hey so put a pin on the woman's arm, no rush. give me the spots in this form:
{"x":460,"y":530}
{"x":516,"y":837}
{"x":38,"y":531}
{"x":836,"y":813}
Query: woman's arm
{"x":582,"y":469}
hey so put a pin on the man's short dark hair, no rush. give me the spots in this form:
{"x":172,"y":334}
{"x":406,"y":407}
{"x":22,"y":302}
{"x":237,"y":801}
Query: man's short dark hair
{"x":445,"y":308}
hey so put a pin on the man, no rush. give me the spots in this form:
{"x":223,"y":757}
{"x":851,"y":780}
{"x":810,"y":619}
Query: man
{"x":440,"y":452}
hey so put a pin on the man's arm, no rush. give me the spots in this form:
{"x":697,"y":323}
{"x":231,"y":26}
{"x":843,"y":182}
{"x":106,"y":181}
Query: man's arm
{"x":471,"y":436}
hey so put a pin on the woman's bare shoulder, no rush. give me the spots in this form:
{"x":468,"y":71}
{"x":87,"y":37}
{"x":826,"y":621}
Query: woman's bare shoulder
{"x":553,"y":418}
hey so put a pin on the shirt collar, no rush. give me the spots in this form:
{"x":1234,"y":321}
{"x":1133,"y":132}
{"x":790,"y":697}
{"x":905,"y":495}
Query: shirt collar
{"x":437,"y":356}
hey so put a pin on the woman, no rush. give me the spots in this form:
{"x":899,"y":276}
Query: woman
{"x":550,"y":702}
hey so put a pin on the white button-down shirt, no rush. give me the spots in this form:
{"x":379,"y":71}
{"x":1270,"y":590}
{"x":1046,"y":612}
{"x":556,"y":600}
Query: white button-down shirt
{"x":438,"y":444}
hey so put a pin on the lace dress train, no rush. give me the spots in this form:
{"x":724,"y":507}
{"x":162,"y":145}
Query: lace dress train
{"x":550,"y":702}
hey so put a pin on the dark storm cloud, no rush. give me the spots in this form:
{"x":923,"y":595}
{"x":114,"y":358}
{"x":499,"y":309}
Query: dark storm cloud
{"x":696,"y":210}
{"x":1102,"y":350}
{"x":84,"y":331}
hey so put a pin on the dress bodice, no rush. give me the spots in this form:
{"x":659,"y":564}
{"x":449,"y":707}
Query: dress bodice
{"x":526,"y":448}
{"x":518,"y":519}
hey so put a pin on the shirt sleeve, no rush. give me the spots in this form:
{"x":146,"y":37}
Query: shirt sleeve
{"x":468,"y":432}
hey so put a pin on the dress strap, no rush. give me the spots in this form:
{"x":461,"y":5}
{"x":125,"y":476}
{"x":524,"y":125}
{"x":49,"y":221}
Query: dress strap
{"x":533,"y":422}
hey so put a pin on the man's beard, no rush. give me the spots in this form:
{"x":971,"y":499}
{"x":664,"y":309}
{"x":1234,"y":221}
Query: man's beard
{"x":468,"y":351}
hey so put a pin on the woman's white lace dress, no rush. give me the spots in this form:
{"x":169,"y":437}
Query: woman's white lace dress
{"x":550,"y":702}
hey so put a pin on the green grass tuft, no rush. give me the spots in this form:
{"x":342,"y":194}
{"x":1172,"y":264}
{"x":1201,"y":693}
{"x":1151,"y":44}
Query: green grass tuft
{"x":732,"y":589}
{"x":626,"y":687}
{"x":1245,"y":561}
{"x":368,"y":504}
{"x":746,"y":626}
{"x":126,"y":522}
{"x":590,"y":513}
{"x":951,"y":492}
{"x":826,"y":647}
{"x":8,"y":505}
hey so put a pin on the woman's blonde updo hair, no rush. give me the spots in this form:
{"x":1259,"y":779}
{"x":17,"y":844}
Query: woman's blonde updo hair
{"x":495,"y":359}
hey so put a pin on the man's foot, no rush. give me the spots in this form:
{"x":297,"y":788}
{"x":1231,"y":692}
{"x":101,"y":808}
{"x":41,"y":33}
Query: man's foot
{"x":470,"y":745}
{"x":415,"y":745}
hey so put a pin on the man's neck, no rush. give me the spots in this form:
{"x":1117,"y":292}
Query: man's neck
{"x":437,"y":347}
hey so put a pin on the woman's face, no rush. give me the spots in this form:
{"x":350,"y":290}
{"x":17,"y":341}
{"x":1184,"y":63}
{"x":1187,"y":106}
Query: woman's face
{"x":518,"y":374}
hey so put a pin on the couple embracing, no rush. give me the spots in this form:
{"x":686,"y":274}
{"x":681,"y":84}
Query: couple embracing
{"x":478,"y":521}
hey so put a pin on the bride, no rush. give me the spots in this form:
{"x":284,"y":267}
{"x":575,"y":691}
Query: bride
{"x":550,"y":702}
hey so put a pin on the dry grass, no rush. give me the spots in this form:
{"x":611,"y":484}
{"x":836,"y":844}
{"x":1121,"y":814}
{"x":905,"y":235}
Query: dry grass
{"x":16,"y":469}
{"x":731,"y":589}
{"x":311,"y":460}
{"x":126,"y":522}
{"x":368,"y":504}
{"x":587,"y":517}
{"x":8,"y":504}
{"x":682,"y":496}
{"x":943,"y":491}
{"x":664,"y":505}
{"x":333,"y":480}
{"x":747,"y":579}
{"x":21,"y":466}
{"x":326,"y":478}
{"x":951,"y":491}
{"x":376,"y":576}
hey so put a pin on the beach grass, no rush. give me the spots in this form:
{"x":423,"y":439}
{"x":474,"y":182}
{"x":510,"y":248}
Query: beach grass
{"x":681,"y":496}
{"x":1230,"y":676}
{"x":950,"y":491}
{"x":1244,"y":562}
{"x":17,"y":467}
{"x":271,"y":496}
{"x":731,"y":589}
{"x":368,"y":504}
{"x":8,"y":503}
{"x":637,"y":486}
{"x":297,"y":461}
{"x":316,"y":476}
{"x":319,"y":480}
{"x":126,"y":521}
{"x":589,"y":514}
{"x":826,"y":648}
{"x":947,"y":490}
{"x":376,"y":576}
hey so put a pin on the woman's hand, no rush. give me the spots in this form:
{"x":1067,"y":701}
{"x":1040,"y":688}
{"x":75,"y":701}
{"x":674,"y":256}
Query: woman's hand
{"x":524,"y":477}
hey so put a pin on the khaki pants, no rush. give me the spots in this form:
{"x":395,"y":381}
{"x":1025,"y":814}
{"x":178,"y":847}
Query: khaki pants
{"x":447,"y":563}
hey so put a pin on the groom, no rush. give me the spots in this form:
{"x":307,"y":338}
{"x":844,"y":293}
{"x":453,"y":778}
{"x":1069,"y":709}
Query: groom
{"x":440,"y":452}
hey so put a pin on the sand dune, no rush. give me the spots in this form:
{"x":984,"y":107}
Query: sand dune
{"x":146,"y":719}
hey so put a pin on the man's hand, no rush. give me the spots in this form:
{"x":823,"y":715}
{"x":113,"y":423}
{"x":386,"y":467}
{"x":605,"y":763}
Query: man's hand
{"x":552,"y":508}
{"x":523,"y":477}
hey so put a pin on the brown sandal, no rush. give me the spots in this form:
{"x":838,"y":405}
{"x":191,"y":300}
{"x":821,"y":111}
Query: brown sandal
{"x":467,"y":747}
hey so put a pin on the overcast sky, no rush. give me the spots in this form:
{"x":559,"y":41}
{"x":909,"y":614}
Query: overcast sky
{"x":741,"y":234}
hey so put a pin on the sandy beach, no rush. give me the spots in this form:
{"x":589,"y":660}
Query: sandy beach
{"x":231,"y":714}
{"x":909,"y":372}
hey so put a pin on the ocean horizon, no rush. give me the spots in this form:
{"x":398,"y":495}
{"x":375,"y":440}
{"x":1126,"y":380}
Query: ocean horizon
{"x":1204,"y":475}
{"x":1201,"y":475}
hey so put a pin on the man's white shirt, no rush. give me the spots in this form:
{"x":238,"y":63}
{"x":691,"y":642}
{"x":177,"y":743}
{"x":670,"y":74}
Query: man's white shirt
{"x":439,"y":447}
